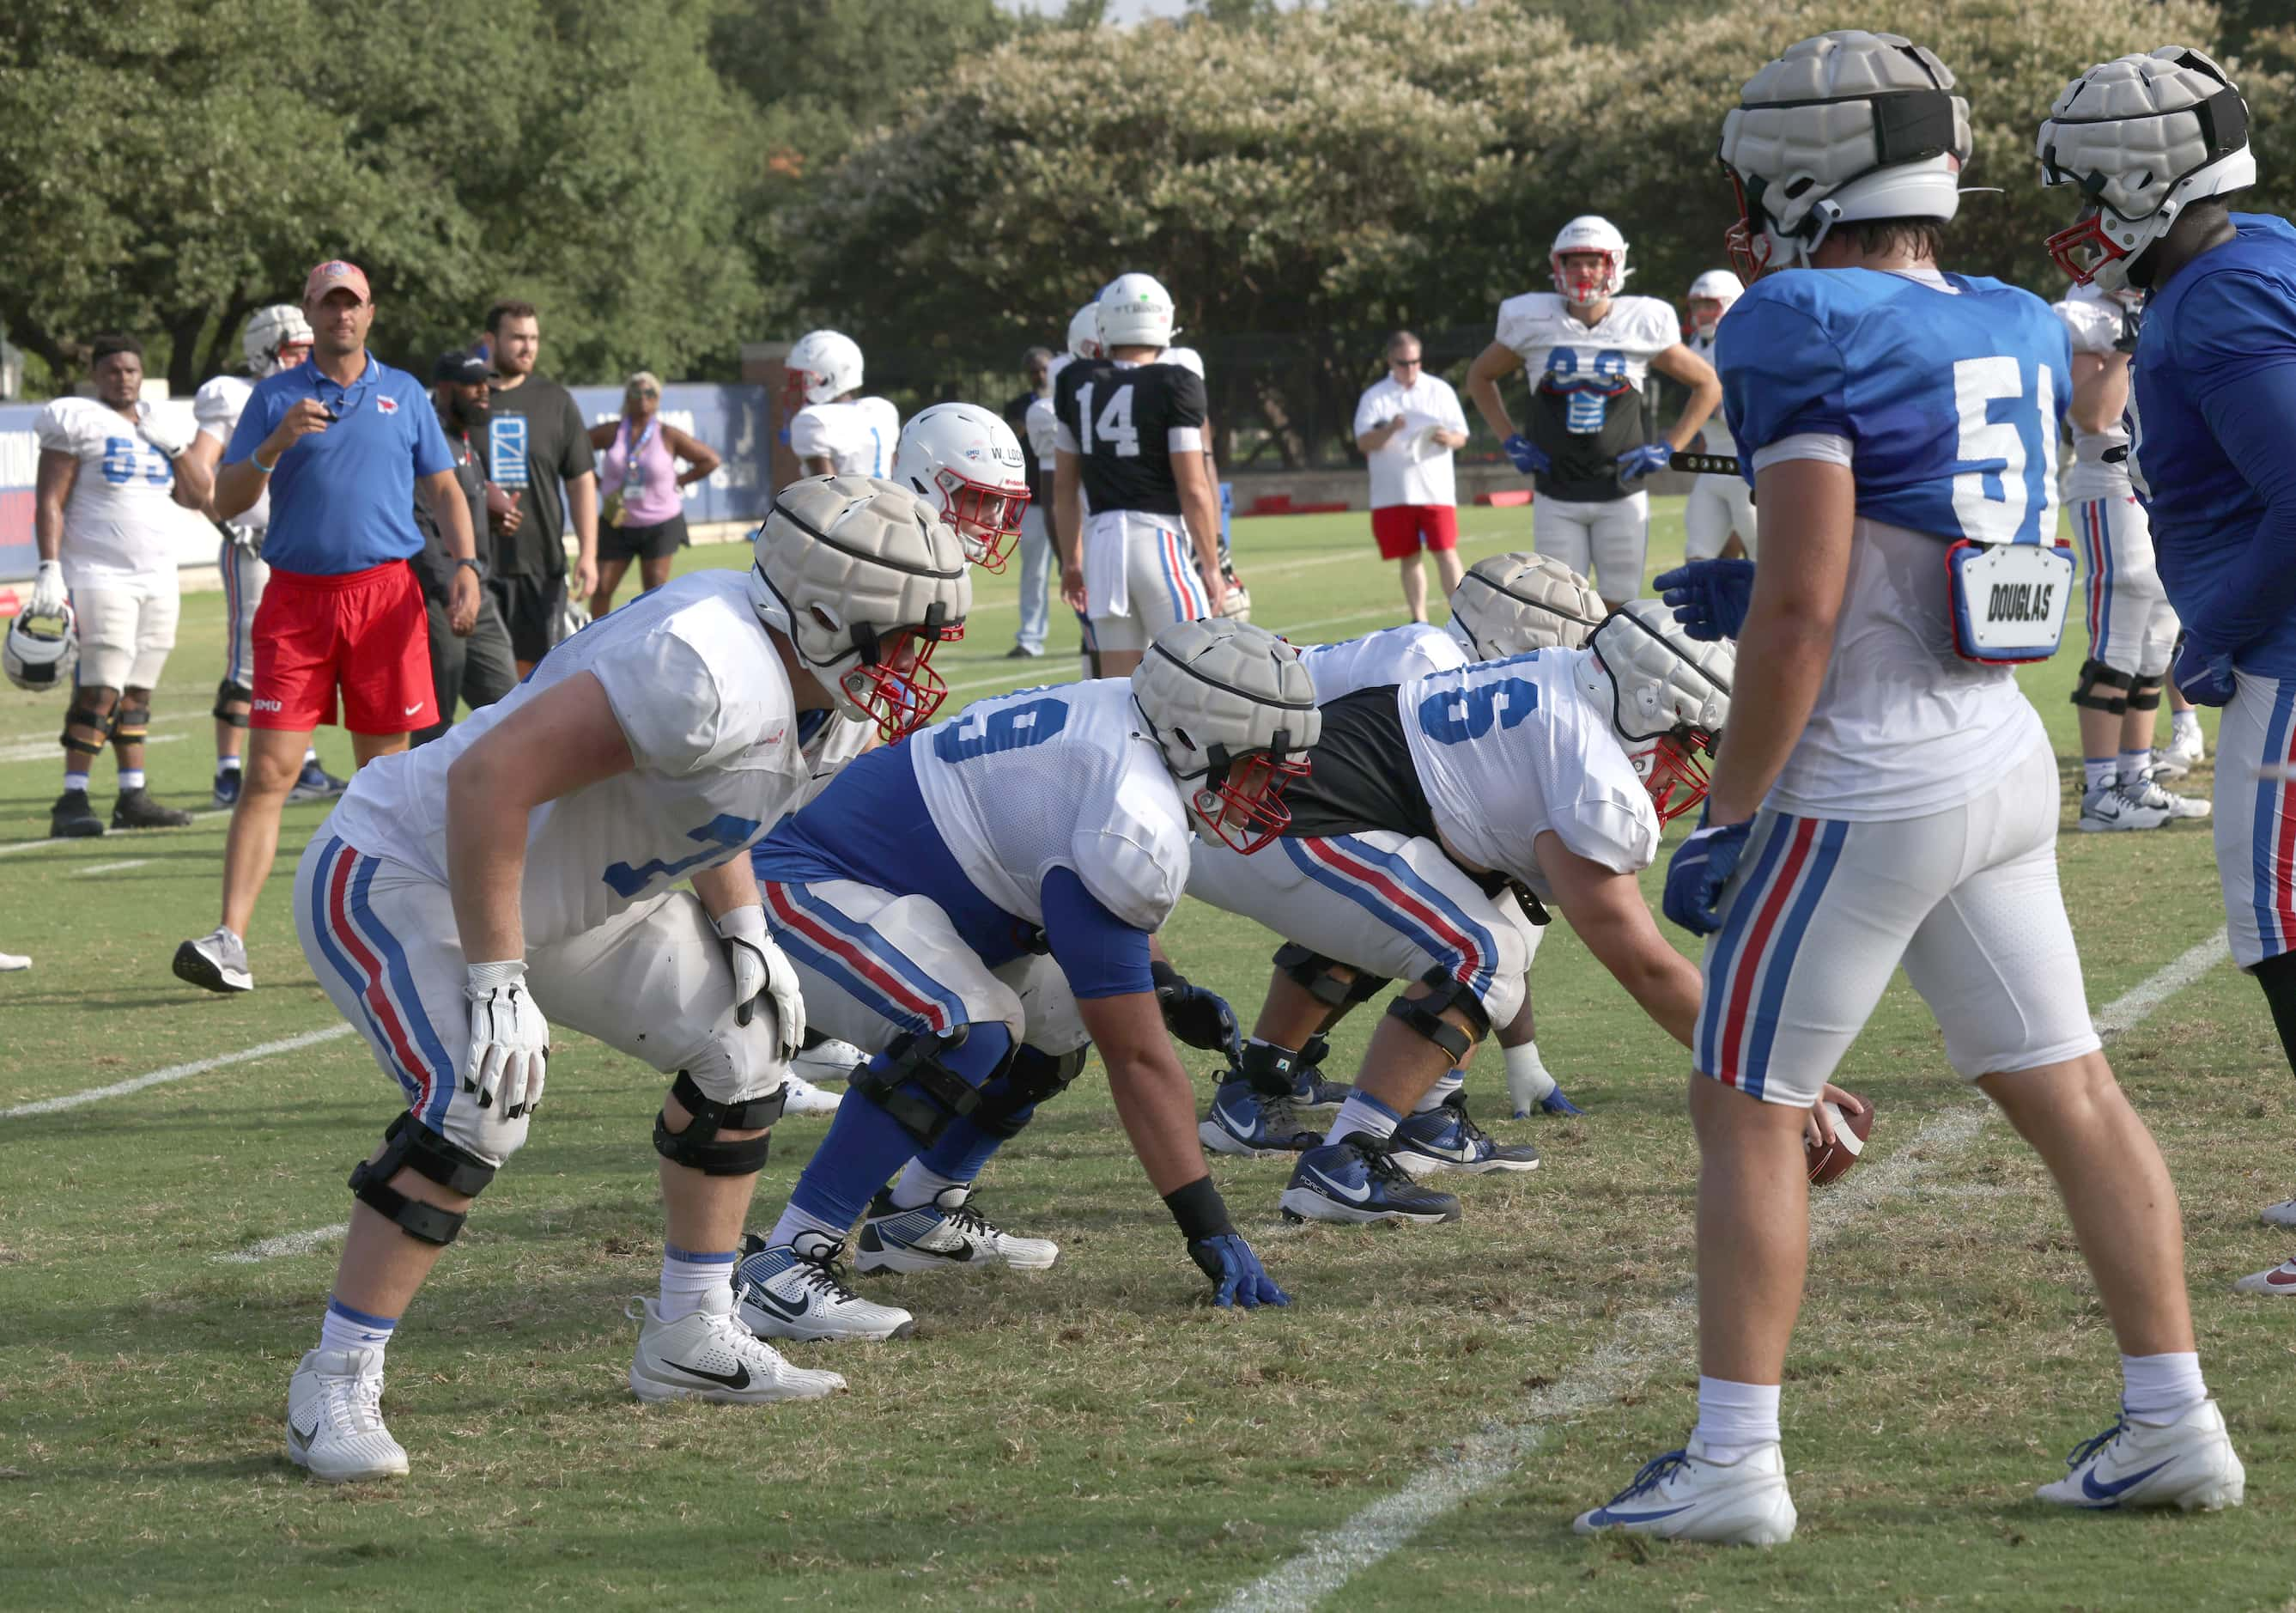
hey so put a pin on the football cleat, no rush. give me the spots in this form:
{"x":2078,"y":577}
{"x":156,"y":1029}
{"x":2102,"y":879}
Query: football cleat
{"x":1686,"y":1495}
{"x":2180,"y":807}
{"x":334,"y":1418}
{"x":1244,"y":1123}
{"x":795,"y":1290}
{"x":828,"y":1059}
{"x":801,"y":1097}
{"x":2281,"y":1215}
{"x":227,"y":781}
{"x":947,"y":1234}
{"x":1357,"y":1180}
{"x":313,"y":783}
{"x":2280,"y":1280}
{"x":72,"y":818}
{"x":2111,"y":807}
{"x":1446,"y":1138}
{"x":135,"y":810}
{"x":217,"y":962}
{"x":9,"y":962}
{"x":2184,"y":749}
{"x":708,"y":1355}
{"x":2188,"y":1463}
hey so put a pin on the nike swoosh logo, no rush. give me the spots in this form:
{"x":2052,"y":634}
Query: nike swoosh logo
{"x":301,"y":1439}
{"x":1352,"y":1195}
{"x":413,"y":709}
{"x":1608,"y":1515}
{"x":738,"y":1379}
{"x":761,"y":1295}
{"x":2118,"y":1486}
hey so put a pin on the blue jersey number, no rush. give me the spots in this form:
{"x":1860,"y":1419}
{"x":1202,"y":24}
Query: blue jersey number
{"x":123,"y":455}
{"x":1014,"y":728}
{"x":720,"y":838}
{"x":2012,"y":486}
{"x":1450,"y":718}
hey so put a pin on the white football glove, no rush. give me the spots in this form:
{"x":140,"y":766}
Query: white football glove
{"x":168,"y":437}
{"x":510,"y":1040}
{"x":760,"y":968}
{"x":49,"y":595}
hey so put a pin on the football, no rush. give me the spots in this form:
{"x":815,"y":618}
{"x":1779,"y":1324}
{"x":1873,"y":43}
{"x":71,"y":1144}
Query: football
{"x":1832,"y":1161}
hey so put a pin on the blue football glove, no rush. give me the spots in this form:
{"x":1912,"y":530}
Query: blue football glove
{"x":2200,"y":678}
{"x":1701,"y":872}
{"x":1637,"y":463}
{"x":1528,"y":458}
{"x":1556,"y":1103}
{"x":1236,"y":1273}
{"x":1198,"y":1016}
{"x":1710,"y":596}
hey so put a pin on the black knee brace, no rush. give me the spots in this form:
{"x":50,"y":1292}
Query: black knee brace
{"x":2101,"y":690}
{"x":410,"y":1144}
{"x":1319,"y":977}
{"x":1424,"y":1015}
{"x":916,"y":1089}
{"x":697,"y":1147}
{"x":130,"y":724}
{"x":2145,"y":694}
{"x":80,"y":717}
{"x":227,"y":692}
{"x":1031,"y":1076}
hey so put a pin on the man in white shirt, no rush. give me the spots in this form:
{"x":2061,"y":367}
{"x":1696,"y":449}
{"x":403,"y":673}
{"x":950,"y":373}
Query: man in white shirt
{"x":1408,"y":425}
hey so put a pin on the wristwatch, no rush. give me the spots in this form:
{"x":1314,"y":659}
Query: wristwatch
{"x":471,"y":562}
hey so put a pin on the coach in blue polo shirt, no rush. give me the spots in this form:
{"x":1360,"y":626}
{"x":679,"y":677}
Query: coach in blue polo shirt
{"x":343,"y":441}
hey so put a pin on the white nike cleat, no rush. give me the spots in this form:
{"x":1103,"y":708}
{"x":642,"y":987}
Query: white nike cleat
{"x":334,"y":1418}
{"x":801,"y":1097}
{"x":828,"y":1059}
{"x":2187,"y":1463}
{"x":2281,"y":1215}
{"x":1683,"y":1495}
{"x":2180,"y":807}
{"x":708,"y":1355}
{"x":217,"y":960}
{"x":9,"y":962}
{"x":794,"y":1290}
{"x":2184,"y":749}
{"x":2112,"y":807}
{"x":947,"y":1234}
{"x":2280,"y":1280}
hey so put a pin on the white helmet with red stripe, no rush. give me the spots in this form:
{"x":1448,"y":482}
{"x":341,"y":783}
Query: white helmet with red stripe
{"x":1666,"y":695}
{"x":966,"y":463}
{"x":1584,"y":285}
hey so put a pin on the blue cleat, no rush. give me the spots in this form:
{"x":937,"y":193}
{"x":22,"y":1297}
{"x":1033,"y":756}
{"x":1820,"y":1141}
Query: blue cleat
{"x":226,"y":786}
{"x":315,"y":783}
{"x":1445,"y":1139}
{"x":1245,"y":1123}
{"x":1358,"y":1181}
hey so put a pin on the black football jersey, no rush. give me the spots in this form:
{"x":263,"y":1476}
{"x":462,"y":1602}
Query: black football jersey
{"x":1583,"y":433}
{"x":1118,"y":418}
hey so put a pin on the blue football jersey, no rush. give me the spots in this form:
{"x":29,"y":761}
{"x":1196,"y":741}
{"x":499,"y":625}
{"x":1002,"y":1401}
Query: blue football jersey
{"x":1952,"y":397}
{"x":2209,"y":423}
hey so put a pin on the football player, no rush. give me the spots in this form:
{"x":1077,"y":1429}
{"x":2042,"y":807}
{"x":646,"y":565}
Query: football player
{"x":109,"y":465}
{"x":1130,"y":428}
{"x":1718,"y":521}
{"x":2158,"y":144}
{"x":1886,"y":794}
{"x":528,"y":864}
{"x":833,"y":430}
{"x":1044,"y":442}
{"x":977,"y":908}
{"x":2131,"y":629}
{"x":276,"y":338}
{"x":1587,"y":349}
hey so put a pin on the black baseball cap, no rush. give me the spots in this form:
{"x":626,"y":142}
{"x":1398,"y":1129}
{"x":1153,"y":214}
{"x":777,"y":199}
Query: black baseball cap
{"x":459,"y":364}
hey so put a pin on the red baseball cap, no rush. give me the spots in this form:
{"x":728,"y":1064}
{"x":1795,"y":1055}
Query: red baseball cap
{"x":332,"y":274}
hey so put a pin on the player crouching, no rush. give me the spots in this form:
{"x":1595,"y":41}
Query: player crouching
{"x":526,"y":865}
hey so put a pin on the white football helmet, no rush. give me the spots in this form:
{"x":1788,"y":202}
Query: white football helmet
{"x":1083,"y":332}
{"x":1844,"y":127}
{"x":864,"y":580}
{"x":822,"y":366}
{"x":966,"y":464}
{"x":2144,"y":137}
{"x":269,"y":330}
{"x":1510,"y":605}
{"x":1666,"y":696}
{"x":41,"y":652}
{"x":1589,"y":233}
{"x":1718,"y":287}
{"x":1135,"y":310}
{"x":1234,"y":713}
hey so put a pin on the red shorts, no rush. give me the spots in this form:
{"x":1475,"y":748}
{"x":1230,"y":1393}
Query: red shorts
{"x":1402,"y":528}
{"x":366,"y":631}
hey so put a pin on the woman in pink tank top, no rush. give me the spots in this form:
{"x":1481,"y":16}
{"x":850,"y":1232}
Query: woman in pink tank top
{"x":642,"y":514}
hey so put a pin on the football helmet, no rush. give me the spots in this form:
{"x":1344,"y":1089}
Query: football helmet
{"x":1718,"y":287}
{"x":1135,"y":310}
{"x":1083,"y":332}
{"x":42,"y":650}
{"x":1666,"y":694}
{"x":269,"y":331}
{"x":864,"y":580}
{"x":2144,"y":137}
{"x":1510,"y":605}
{"x":1586,"y":284}
{"x":1843,"y":127}
{"x":966,"y":464}
{"x":822,"y":366}
{"x":1234,"y":713}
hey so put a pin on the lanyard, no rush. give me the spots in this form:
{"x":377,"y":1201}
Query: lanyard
{"x":634,"y":478}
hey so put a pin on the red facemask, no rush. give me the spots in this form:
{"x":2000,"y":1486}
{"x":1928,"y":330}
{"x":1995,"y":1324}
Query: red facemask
{"x":899,"y":689}
{"x":1674,"y":772}
{"x":1583,"y":276}
{"x":2083,"y":248}
{"x":988,"y":519}
{"x":793,"y":387}
{"x":1245,"y":811}
{"x":1746,"y":243}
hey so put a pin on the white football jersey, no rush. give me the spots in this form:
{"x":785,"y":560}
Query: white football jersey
{"x":120,"y":522}
{"x":1062,"y":777}
{"x":858,"y":437}
{"x":828,"y":742}
{"x":1717,"y":430}
{"x":1508,"y":750}
{"x":704,"y":704}
{"x":216,"y":408}
{"x":1540,"y":326}
{"x":2093,"y":319}
{"x":1186,"y":358}
{"x":1396,"y":655}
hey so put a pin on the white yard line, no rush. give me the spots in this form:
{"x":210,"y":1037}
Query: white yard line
{"x":174,"y":1072}
{"x":113,"y":868}
{"x":1643,"y":1341}
{"x":33,"y":845}
{"x":165,"y":720}
{"x":286,"y":1244}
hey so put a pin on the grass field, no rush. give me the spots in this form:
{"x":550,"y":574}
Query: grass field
{"x":1097,"y":1437}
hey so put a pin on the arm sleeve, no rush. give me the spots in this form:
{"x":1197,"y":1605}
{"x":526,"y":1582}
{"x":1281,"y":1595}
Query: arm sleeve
{"x":667,"y":700}
{"x":1782,"y":376}
{"x":579,"y":458}
{"x":431,"y":454}
{"x":1100,"y":954}
{"x":2244,"y":368}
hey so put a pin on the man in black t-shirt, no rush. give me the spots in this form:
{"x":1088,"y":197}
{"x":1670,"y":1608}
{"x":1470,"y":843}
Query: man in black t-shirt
{"x":536,"y":440}
{"x":470,"y":661}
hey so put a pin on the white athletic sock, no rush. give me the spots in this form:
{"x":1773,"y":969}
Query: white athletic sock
{"x":1735,"y":1418}
{"x":2132,"y":764}
{"x":794,"y":1220}
{"x":694,"y":1280}
{"x":1366,"y":1114}
{"x":2097,"y":775}
{"x":226,"y":764}
{"x":76,"y":781}
{"x":131,"y":779}
{"x":2160,"y":1388}
{"x":344,"y":1328}
{"x":310,"y":755}
{"x":1526,"y":1077}
{"x":2181,"y":723}
{"x":918,"y":1186}
{"x":1453,"y":1080}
